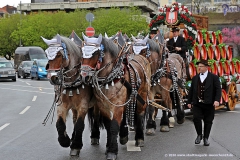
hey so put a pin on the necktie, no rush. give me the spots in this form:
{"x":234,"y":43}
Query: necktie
{"x":202,"y":74}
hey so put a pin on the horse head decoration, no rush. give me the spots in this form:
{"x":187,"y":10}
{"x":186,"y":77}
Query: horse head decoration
{"x":64,"y":64}
{"x":117,"y":78}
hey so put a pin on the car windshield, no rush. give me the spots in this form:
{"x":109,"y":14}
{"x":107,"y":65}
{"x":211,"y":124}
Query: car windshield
{"x":27,"y":64}
{"x":42,"y":63}
{"x":5,"y":65}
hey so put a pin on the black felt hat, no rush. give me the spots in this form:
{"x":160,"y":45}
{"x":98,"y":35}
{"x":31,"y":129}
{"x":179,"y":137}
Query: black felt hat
{"x":154,"y":30}
{"x":204,"y":62}
{"x":174,"y":29}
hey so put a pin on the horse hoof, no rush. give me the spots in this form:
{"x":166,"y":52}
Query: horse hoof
{"x":139,"y":143}
{"x":64,"y":141}
{"x":164,"y":129}
{"x":75,"y":152}
{"x":181,"y":121}
{"x":150,"y":132}
{"x":123,"y":140}
{"x":171,"y":122}
{"x":111,"y":156}
{"x":94,"y":141}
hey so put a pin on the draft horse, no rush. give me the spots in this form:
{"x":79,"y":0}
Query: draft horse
{"x":121,"y":86}
{"x":64,"y":57}
{"x":163,"y":80}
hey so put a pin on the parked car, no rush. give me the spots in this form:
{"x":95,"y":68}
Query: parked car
{"x":38,"y":69}
{"x":6,"y":70}
{"x":24,"y":69}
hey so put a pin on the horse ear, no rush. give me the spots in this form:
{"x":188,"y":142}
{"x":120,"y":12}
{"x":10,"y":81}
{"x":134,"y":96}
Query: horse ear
{"x":74,"y":37}
{"x":114,"y":37}
{"x":99,"y":39}
{"x":49,"y":42}
{"x":146,"y":38}
{"x":134,"y":39}
{"x":121,"y":40}
{"x":58,"y":39}
{"x":106,"y":36}
{"x":85,"y":38}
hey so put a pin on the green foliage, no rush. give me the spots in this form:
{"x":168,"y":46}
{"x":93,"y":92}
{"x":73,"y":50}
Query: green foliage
{"x":29,"y":28}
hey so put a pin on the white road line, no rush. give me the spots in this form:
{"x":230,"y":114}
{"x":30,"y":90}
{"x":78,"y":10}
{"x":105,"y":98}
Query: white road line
{"x":28,"y":83}
{"x":131,"y":146}
{"x":26,"y":90}
{"x":5,"y":125}
{"x":233,"y":111}
{"x":24,"y":86}
{"x":34,"y":98}
{"x":25,"y":110}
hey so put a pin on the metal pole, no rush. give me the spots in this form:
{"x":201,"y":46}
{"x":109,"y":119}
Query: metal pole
{"x":20,"y":43}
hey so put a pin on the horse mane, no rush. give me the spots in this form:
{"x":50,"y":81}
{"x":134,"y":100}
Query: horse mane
{"x":109,"y":46}
{"x":154,"y":46}
{"x":72,"y":48}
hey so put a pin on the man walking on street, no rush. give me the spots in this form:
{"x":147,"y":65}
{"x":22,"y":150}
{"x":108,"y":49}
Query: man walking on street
{"x":204,"y":94}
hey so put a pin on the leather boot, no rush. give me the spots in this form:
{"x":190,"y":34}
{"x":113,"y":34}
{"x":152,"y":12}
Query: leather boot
{"x":198,"y":139}
{"x":205,"y":141}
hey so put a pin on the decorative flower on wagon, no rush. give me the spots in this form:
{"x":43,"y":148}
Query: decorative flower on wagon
{"x":183,"y":16}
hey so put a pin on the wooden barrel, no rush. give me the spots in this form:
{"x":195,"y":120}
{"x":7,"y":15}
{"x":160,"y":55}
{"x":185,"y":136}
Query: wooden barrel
{"x":203,"y":52}
{"x":226,"y":68}
{"x":220,"y":69}
{"x":224,"y":96}
{"x":206,"y":38}
{"x":223,"y":52}
{"x":229,"y":53}
{"x":191,"y":70}
{"x":196,"y":52}
{"x":210,"y":52}
{"x":217,"y":53}
{"x":237,"y":67}
{"x":199,"y":37}
{"x":232,"y":68}
{"x":213,"y":38}
{"x":214,"y":68}
{"x":219,"y":38}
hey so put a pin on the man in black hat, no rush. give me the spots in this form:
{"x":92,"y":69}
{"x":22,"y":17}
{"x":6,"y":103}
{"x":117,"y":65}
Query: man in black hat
{"x":204,"y":94}
{"x":177,"y":44}
{"x":153,"y":32}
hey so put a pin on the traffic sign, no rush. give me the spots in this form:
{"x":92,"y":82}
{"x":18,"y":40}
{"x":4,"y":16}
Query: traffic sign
{"x":90,"y":31}
{"x":89,"y":17}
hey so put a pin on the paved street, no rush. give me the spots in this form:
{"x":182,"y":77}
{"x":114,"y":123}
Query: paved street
{"x":24,"y":105}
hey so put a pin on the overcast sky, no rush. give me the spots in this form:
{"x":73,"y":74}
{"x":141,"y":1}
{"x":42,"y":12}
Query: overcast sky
{"x":12,"y":2}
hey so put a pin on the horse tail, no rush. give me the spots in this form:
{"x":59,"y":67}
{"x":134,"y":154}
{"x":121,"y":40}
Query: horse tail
{"x":95,"y":119}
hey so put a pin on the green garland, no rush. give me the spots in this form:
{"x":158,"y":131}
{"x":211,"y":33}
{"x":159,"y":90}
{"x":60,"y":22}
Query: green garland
{"x":184,"y":16}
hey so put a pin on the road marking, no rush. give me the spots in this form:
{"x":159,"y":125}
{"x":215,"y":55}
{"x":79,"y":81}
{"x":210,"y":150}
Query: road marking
{"x":5,"y":125}
{"x":25,"y":110}
{"x":131,"y":146}
{"x":34,"y":98}
{"x":233,"y":111}
{"x":24,"y":86}
{"x":25,"y":90}
{"x":28,"y":83}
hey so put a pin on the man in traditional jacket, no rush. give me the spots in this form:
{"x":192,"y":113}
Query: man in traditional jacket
{"x":204,"y":95}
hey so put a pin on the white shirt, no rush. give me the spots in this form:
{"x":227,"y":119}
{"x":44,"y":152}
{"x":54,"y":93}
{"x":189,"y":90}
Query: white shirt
{"x":203,"y":76}
{"x":175,"y":39}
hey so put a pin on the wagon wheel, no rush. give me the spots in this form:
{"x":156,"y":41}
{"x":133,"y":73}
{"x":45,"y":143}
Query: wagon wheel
{"x":232,"y":98}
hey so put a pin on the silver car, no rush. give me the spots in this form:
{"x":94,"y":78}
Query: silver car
{"x":6,"y":70}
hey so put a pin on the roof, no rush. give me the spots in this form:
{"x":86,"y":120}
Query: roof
{"x":22,"y":50}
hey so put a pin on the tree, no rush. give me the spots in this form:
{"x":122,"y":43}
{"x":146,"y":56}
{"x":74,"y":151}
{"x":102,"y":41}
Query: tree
{"x":7,"y":26}
{"x":232,"y":35}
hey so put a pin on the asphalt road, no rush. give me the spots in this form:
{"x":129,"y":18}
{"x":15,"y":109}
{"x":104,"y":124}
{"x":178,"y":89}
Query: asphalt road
{"x":24,"y":105}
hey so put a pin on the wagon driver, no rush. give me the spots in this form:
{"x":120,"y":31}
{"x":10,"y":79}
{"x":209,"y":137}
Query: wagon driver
{"x":204,"y":94}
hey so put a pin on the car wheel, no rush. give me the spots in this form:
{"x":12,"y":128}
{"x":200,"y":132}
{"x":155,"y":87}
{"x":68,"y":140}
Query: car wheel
{"x":14,"y":80}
